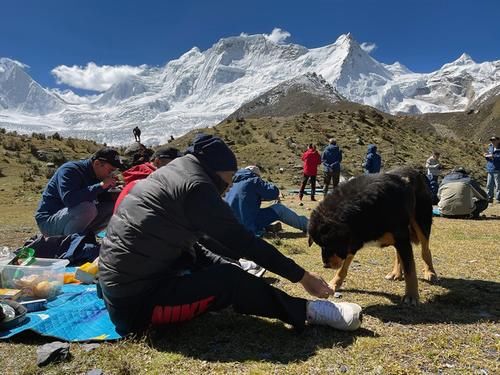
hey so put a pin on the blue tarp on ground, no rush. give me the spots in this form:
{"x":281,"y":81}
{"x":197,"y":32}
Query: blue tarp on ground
{"x":75,"y":315}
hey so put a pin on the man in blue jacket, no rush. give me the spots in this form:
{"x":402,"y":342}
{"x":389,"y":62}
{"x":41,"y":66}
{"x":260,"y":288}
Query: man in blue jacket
{"x":73,"y":200}
{"x":373,"y":161}
{"x":247,"y":193}
{"x":493,"y":169}
{"x":331,"y":158}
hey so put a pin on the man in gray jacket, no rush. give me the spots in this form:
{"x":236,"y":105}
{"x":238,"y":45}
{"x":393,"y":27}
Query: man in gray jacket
{"x":151,"y":270}
{"x":460,"y":196}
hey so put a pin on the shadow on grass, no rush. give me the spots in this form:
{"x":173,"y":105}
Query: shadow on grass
{"x":292,"y":235}
{"x":465,"y":302}
{"x":226,"y":336}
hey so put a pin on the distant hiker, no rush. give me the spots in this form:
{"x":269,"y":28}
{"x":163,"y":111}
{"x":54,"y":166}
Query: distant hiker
{"x":433,"y":166}
{"x":493,"y":169}
{"x":137,"y":134}
{"x":311,"y":159}
{"x":331,"y":158}
{"x":172,"y":137}
{"x":461,"y":196}
{"x":246,"y":195}
{"x":74,"y":201}
{"x":151,"y":272}
{"x":373,"y":161}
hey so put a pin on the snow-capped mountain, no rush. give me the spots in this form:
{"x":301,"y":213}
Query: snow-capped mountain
{"x":19,"y":92}
{"x":305,"y":93}
{"x":201,"y":88}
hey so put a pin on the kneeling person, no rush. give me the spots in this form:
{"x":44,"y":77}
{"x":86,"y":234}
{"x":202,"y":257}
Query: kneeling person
{"x":460,"y":196}
{"x":74,"y":201}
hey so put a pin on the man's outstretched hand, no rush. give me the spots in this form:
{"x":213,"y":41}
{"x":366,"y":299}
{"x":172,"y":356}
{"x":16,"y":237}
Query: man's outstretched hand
{"x":315,"y":285}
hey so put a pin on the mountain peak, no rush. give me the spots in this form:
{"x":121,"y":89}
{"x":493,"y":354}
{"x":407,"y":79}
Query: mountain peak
{"x":464,"y":59}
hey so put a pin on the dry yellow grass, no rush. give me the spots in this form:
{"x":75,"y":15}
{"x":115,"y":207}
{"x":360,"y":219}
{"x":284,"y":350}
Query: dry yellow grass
{"x":455,"y":329}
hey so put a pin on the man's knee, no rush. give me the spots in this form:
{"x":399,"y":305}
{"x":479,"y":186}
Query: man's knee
{"x":81,"y":216}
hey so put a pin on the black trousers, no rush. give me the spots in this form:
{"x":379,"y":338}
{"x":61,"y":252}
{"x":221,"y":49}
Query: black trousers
{"x":304,"y":184}
{"x":214,"y":285}
{"x":334,"y":177}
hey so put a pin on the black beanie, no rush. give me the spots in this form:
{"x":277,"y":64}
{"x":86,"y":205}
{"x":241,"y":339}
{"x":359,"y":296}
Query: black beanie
{"x":213,"y":152}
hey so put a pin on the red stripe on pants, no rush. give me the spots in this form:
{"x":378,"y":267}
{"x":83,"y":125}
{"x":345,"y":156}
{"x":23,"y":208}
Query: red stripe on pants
{"x":180,"y":313}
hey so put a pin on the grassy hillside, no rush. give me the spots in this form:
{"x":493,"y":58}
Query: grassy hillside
{"x":276,"y":143}
{"x":476,"y":124}
{"x":455,"y":330}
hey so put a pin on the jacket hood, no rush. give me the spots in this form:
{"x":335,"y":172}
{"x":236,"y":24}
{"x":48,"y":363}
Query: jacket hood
{"x":243,"y":174}
{"x":372,"y":149}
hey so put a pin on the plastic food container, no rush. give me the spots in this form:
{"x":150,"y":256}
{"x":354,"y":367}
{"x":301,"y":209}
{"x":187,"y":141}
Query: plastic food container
{"x":43,"y":278}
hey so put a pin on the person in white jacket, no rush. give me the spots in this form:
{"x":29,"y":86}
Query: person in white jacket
{"x":433,"y":166}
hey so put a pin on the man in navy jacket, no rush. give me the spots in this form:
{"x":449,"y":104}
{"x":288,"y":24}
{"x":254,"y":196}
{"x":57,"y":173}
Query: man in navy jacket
{"x":73,"y":200}
{"x":331,"y":158}
{"x":247,"y":193}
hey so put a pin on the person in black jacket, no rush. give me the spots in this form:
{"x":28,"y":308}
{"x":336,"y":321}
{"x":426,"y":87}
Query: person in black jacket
{"x":153,"y":271}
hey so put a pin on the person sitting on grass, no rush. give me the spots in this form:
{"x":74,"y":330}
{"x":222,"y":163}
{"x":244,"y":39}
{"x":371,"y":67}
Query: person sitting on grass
{"x":161,"y":157}
{"x":460,"y":196}
{"x":74,"y":200}
{"x":246,"y":195}
{"x":151,"y":273}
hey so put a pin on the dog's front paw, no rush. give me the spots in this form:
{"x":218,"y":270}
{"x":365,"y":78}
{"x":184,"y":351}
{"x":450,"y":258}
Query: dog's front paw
{"x":394,"y":276}
{"x":335,"y":284}
{"x":430,"y":276}
{"x":410,"y":300}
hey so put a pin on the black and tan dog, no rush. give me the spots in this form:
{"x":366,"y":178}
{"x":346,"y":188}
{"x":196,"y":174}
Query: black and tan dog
{"x":393,"y":208}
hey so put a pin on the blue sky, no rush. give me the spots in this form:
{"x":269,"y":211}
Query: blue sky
{"x":422,"y":34}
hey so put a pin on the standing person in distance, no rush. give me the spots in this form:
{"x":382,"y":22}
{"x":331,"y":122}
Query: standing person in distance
{"x":311,"y":159}
{"x":331,"y":158}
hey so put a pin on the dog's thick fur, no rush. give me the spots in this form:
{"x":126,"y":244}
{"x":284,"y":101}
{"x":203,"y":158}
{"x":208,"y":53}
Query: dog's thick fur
{"x":393,"y":208}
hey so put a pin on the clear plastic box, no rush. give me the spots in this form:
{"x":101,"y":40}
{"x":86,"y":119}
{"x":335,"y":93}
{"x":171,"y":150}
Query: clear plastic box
{"x":42,"y":279}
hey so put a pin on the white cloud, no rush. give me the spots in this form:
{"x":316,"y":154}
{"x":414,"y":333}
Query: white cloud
{"x":278,"y":36}
{"x":244,"y":34}
{"x":72,"y":98}
{"x":93,"y":77}
{"x":368,"y":47}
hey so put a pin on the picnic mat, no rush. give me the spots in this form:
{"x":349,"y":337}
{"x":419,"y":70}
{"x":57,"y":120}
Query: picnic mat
{"x":75,"y":315}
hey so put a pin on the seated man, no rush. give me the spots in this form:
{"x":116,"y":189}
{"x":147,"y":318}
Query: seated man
{"x":247,"y":193}
{"x":74,"y":200}
{"x":152,"y":272}
{"x":460,"y":196}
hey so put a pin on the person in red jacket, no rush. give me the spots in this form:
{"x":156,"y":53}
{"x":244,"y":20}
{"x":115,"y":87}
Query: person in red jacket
{"x":160,"y":158}
{"x":311,"y":159}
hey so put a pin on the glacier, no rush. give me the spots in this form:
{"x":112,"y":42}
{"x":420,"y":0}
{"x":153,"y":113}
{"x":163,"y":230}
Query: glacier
{"x":201,"y":88}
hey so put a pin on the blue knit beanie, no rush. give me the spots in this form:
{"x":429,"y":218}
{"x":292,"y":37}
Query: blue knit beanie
{"x":213,"y":152}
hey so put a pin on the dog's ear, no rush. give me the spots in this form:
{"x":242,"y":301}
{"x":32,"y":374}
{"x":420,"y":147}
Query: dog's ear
{"x":310,"y":241}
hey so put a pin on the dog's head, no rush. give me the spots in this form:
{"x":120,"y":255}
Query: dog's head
{"x":333,"y":237}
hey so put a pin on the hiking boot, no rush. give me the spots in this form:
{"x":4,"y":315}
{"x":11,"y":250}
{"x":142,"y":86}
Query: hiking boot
{"x":344,"y":316}
{"x":313,"y":199}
